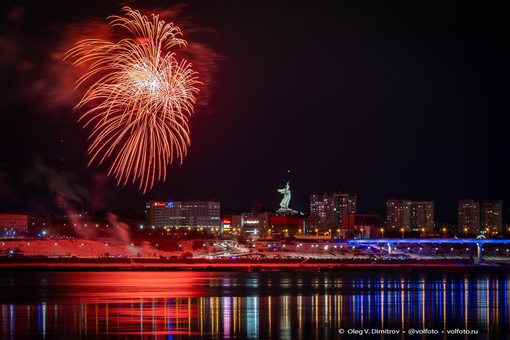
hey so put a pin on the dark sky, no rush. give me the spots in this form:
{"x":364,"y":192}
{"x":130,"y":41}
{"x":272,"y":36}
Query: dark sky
{"x":399,"y":100}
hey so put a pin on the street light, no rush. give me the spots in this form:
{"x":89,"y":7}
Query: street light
{"x":402,"y":230}
{"x":422,"y":232}
{"x":444,"y":231}
{"x":382,"y":232}
{"x":465,"y":230}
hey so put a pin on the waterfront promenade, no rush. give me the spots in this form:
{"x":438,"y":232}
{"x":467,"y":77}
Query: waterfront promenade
{"x":100,"y":255}
{"x":88,"y":264}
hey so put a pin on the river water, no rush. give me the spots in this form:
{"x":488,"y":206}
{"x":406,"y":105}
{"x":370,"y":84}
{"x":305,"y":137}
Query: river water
{"x":253,"y":305}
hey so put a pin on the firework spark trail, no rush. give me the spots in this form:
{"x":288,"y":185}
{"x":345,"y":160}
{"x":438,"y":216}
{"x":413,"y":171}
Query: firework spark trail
{"x":142,"y":99}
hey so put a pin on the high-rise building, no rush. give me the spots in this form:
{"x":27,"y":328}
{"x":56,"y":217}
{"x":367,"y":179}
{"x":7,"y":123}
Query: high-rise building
{"x":344,"y":204}
{"x":468,"y":216}
{"x":491,"y":216}
{"x":321,"y":205}
{"x":330,"y":208}
{"x":398,"y":214}
{"x":422,"y":216}
{"x":193,"y":214}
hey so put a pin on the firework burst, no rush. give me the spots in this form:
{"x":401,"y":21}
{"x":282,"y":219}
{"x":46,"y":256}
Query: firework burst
{"x":140,"y":98}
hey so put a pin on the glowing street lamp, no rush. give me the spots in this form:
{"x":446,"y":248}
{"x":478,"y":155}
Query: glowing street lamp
{"x":444,"y":231}
{"x":466,"y":230}
{"x":382,"y":232}
{"x":402,"y":230}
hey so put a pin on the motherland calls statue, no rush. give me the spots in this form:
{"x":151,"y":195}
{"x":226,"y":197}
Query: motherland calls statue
{"x":284,"y":204}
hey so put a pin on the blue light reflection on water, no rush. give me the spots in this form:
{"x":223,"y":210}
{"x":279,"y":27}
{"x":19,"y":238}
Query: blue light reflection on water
{"x":248,"y":305}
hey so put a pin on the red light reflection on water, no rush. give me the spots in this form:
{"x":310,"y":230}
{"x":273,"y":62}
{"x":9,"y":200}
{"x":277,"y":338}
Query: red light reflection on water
{"x":132,"y":287}
{"x":149,"y":304}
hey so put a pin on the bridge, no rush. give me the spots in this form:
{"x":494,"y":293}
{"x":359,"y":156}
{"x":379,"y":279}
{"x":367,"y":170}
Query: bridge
{"x":470,"y":242}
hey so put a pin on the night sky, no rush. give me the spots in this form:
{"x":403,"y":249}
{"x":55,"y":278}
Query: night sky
{"x":389,"y":101}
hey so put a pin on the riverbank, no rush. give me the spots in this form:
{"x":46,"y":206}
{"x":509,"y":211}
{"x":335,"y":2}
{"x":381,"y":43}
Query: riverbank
{"x":147,"y":264}
{"x":95,"y":255}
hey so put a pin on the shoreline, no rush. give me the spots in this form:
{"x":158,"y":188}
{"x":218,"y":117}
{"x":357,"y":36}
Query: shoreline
{"x":34,"y":264}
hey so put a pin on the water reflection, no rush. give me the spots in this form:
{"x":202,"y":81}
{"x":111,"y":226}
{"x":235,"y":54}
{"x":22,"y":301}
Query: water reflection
{"x":247,"y":305}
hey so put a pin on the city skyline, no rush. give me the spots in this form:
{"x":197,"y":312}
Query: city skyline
{"x":386,"y":101}
{"x":419,"y":214}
